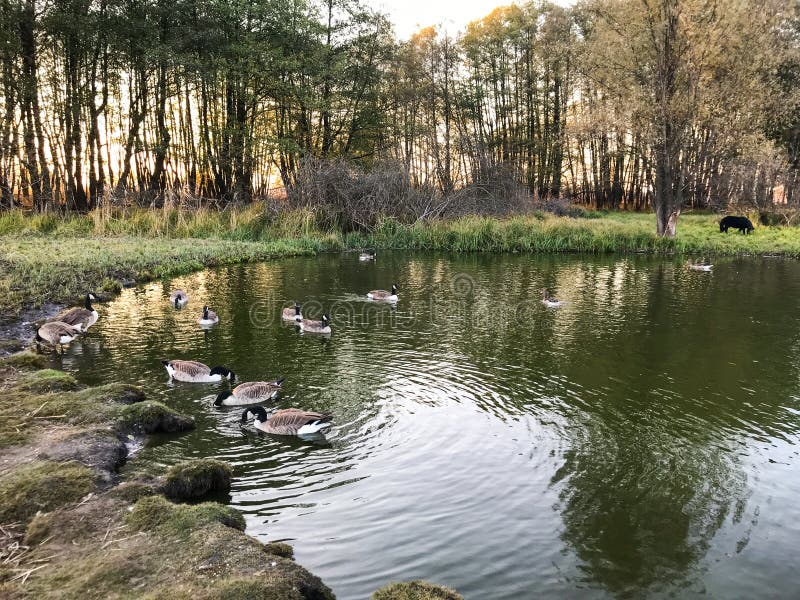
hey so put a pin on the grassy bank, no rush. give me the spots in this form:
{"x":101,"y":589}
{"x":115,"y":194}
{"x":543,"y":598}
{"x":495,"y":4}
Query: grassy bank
{"x":69,"y":528}
{"x":53,"y":258}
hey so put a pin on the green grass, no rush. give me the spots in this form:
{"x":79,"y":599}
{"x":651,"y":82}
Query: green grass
{"x":42,"y":485}
{"x":48,"y":258}
{"x":154,"y":512}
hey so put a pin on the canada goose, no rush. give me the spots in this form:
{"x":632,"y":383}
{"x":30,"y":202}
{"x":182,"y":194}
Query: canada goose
{"x":698,"y":267}
{"x":549,"y":301}
{"x":196,"y":372}
{"x":209,"y":318}
{"x":291,"y":421}
{"x":251,"y":392}
{"x":57,"y":333}
{"x":179,"y":298}
{"x":81,"y":317}
{"x":292,"y":313}
{"x":384,"y":295}
{"x":310,"y":326}
{"x":368,"y":255}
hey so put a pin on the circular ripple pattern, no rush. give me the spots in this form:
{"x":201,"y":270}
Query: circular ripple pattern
{"x":627,"y":443}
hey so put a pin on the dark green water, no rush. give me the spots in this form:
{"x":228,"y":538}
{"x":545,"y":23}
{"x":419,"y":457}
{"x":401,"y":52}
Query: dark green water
{"x":642,"y":440}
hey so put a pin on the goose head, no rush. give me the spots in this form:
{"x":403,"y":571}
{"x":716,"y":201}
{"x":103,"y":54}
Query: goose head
{"x":226,"y":373}
{"x":256,"y":412}
{"x":394,"y":289}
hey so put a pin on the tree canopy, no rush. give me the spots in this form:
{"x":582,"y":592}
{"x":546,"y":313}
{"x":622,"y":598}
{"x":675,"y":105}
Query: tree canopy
{"x":636,"y":104}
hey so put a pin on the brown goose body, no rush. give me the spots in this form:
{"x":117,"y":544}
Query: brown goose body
{"x":311,"y":326}
{"x":383,"y":295}
{"x":57,"y":333}
{"x":292,"y":313}
{"x":252,"y":392}
{"x":208,"y":318}
{"x":81,"y":317}
{"x":192,"y":371}
{"x":291,"y":421}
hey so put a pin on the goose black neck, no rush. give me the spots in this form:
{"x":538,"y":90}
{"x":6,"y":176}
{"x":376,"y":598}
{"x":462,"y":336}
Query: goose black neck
{"x":221,"y":397}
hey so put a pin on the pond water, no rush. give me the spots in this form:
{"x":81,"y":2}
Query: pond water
{"x":641,"y":440}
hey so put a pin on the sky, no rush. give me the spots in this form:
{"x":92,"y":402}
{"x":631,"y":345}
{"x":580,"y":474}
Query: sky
{"x":453,"y":15}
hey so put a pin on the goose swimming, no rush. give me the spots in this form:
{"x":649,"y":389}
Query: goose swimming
{"x":208,"y":319}
{"x":290,"y":421}
{"x":251,"y":392}
{"x":179,"y":298}
{"x":384,"y":295}
{"x":192,"y":371}
{"x":292,"y":313}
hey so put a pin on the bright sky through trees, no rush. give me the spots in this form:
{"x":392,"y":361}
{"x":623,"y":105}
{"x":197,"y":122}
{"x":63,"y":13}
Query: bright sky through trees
{"x":409,"y":16}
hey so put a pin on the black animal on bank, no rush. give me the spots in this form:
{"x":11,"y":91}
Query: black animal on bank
{"x":743,"y":224}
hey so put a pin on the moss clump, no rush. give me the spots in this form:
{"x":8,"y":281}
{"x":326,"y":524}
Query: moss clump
{"x":241,"y":588}
{"x":110,"y":286}
{"x":42,"y":485}
{"x":112,"y":393}
{"x":158,"y":513}
{"x":152,"y":417}
{"x":23,"y":360}
{"x":132,"y":491}
{"x":197,"y":478}
{"x":47,"y":380}
{"x":416,"y":590}
{"x":279,"y":549}
{"x":99,"y":404}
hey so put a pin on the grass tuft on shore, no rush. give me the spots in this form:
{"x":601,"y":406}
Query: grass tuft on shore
{"x":195,"y":479}
{"x":157,"y":513}
{"x":416,"y":590}
{"x":42,"y":486}
{"x":47,"y":380}
{"x":152,"y":417}
{"x":23,"y":360}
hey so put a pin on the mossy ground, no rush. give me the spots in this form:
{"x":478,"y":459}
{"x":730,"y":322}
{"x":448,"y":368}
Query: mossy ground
{"x":416,"y":590}
{"x":77,"y":533}
{"x":110,"y":547}
{"x":197,"y":479}
{"x":42,"y":486}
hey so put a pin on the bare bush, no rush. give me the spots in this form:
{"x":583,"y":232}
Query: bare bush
{"x":348,"y":197}
{"x":494,"y":193}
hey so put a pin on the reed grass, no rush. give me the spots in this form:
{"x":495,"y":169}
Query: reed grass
{"x":54,"y":258}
